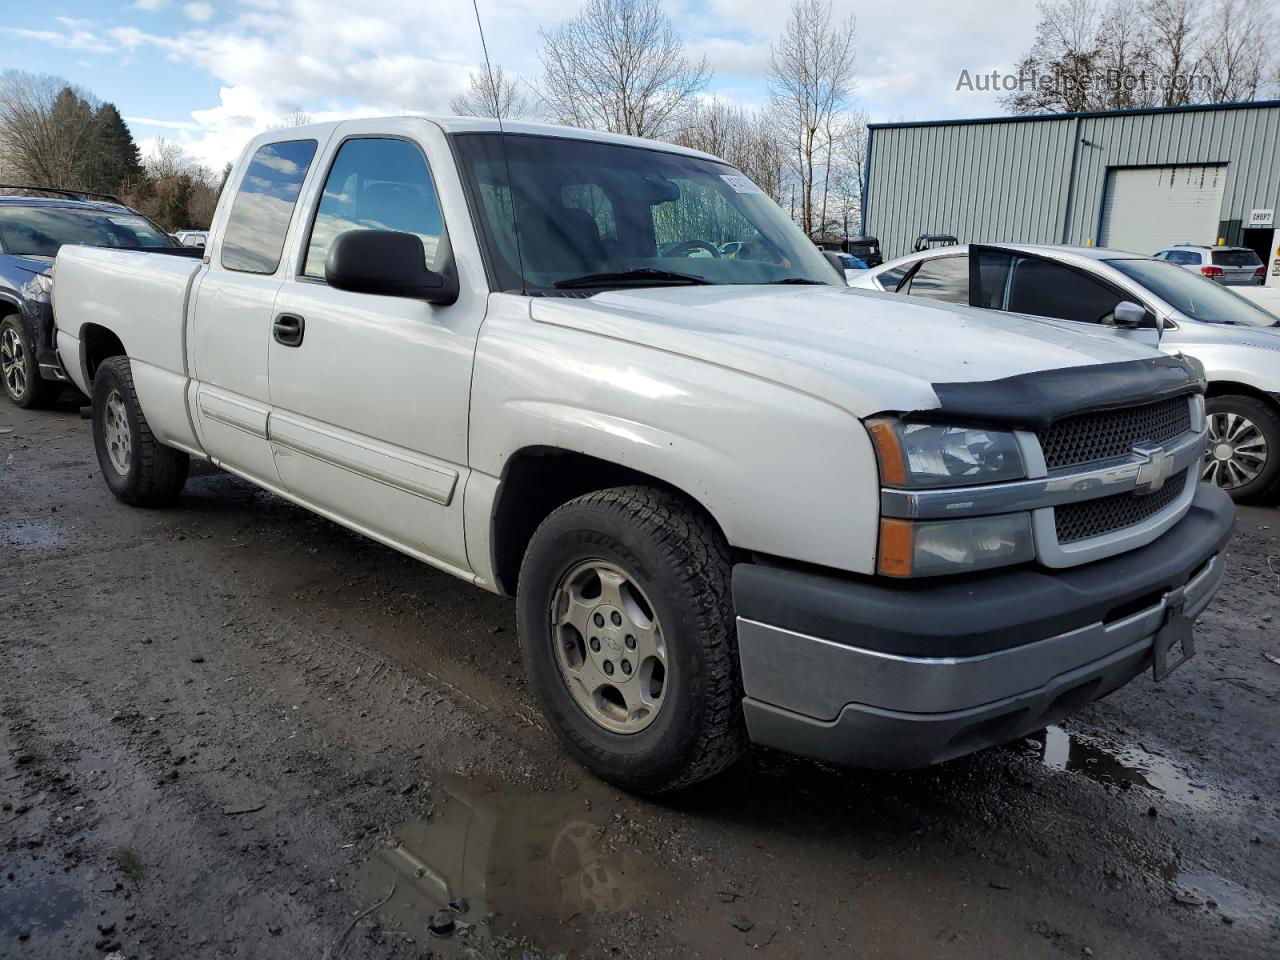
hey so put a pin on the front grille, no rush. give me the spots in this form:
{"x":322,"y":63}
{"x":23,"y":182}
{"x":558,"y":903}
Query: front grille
{"x":1091,"y":437}
{"x":1093,"y":518}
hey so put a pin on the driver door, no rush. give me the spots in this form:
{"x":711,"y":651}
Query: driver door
{"x":1018,"y":282}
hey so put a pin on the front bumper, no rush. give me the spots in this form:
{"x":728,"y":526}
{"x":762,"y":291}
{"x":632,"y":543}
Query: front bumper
{"x":909,"y":674}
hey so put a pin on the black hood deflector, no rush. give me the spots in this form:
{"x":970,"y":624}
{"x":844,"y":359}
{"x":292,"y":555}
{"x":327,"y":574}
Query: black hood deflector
{"x":1032,"y":401}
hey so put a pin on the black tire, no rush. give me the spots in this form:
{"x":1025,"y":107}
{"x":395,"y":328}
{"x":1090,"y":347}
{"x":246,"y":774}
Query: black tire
{"x":1266,"y":418}
{"x":23,"y":384}
{"x":154,"y":473}
{"x":680,"y":561}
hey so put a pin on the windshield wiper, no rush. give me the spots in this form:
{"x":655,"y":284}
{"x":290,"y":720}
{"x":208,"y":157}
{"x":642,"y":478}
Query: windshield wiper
{"x":639,"y":277}
{"x":800,"y":280}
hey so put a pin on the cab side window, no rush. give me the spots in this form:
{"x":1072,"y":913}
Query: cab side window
{"x":376,"y":184}
{"x":1045,"y":289}
{"x":946,"y":279}
{"x":264,"y":205}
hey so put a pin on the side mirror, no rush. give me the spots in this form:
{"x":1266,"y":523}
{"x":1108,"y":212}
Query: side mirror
{"x":388,"y":263}
{"x":1130,"y":316}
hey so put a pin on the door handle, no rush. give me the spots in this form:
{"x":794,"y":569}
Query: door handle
{"x":289,"y":329}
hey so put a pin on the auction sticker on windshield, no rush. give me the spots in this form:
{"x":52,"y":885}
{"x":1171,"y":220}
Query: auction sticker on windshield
{"x":740,"y":183}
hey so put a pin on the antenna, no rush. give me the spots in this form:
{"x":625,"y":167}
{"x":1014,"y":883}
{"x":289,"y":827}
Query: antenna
{"x":502,"y":136}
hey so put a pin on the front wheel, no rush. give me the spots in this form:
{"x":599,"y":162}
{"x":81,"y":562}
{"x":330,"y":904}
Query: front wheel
{"x":1243,"y":456}
{"x":19,"y":370}
{"x":627,"y":628}
{"x":138,"y":468}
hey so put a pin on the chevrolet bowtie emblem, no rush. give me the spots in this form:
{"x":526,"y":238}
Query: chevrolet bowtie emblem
{"x":1157,"y":468}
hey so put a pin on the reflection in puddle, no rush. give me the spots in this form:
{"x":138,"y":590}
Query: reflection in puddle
{"x":1060,"y":750}
{"x":36,"y":908}
{"x":536,"y":865}
{"x":30,"y":533}
{"x":1228,"y":898}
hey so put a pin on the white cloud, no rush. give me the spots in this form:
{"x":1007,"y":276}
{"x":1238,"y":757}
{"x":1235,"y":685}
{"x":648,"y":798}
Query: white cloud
{"x":199,"y":12}
{"x":150,"y":4}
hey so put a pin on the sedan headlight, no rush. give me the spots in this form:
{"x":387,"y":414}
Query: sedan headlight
{"x":925,"y":455}
{"x":39,"y":287}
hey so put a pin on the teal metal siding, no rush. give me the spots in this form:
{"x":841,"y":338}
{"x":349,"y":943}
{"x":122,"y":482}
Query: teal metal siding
{"x":1011,"y":179}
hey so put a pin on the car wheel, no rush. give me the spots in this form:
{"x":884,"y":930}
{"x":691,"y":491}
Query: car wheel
{"x":18,"y":368}
{"x":627,"y":629}
{"x":138,"y":468}
{"x":1243,"y":456}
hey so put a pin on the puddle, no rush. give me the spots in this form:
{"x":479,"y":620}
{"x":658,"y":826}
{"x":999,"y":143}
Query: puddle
{"x":536,"y":865}
{"x":31,"y":534}
{"x":1227,"y":897}
{"x":36,"y":908}
{"x":1092,"y":758}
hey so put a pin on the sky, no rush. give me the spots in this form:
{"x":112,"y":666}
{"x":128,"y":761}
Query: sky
{"x":211,"y":74}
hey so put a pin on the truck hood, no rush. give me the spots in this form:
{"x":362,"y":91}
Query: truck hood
{"x":864,"y":351}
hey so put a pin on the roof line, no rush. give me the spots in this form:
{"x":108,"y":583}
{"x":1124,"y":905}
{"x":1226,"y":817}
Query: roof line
{"x":1086,"y":114}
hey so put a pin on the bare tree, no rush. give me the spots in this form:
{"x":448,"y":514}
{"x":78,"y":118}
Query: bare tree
{"x":48,"y":130}
{"x":297,"y":117}
{"x":1175,"y":48}
{"x":166,"y":159}
{"x":486,"y":96}
{"x":1238,"y":51}
{"x":746,"y":139}
{"x":811,"y":80}
{"x":618,"y":66}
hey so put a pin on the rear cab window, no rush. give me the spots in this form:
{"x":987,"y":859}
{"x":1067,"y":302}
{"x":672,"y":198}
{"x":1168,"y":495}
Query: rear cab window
{"x":255,"y":232}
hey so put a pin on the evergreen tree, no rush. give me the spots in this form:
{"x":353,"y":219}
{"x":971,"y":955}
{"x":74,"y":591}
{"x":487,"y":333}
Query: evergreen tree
{"x":115,"y":163}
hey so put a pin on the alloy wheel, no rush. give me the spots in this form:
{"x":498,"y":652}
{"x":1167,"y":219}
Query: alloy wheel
{"x":13,"y":363}
{"x":115,"y":431}
{"x":609,"y":646}
{"x":1237,"y":451}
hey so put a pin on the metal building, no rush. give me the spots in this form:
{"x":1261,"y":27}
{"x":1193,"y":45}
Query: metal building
{"x":1136,"y":180}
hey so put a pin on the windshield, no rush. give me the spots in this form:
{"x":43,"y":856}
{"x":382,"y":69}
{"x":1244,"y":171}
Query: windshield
{"x":575,"y":215}
{"x":38,"y":231}
{"x":1193,"y":295}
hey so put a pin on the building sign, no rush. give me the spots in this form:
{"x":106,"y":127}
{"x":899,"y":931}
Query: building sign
{"x":1262,"y":218}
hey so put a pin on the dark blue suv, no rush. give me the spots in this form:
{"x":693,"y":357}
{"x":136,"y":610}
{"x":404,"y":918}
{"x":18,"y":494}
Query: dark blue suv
{"x":32,"y":228}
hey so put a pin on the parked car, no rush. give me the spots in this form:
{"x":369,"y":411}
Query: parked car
{"x":847,"y":264}
{"x":192,"y":238}
{"x":866,"y":249}
{"x":734,"y":499}
{"x":930,"y":241}
{"x":1233,"y":266}
{"x":32,"y":228}
{"x":1237,"y":341}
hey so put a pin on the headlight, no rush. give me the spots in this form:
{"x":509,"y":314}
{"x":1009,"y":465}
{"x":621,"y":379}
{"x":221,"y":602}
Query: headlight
{"x":39,"y":287}
{"x":924,"y":549}
{"x":925,"y":455}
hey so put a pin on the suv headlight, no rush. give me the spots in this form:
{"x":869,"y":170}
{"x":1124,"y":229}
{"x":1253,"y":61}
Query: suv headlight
{"x":929,"y":456}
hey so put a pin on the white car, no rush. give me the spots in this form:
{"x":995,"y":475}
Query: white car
{"x":192,"y":238}
{"x":1237,"y":341}
{"x":1232,"y":266}
{"x":734,"y":499}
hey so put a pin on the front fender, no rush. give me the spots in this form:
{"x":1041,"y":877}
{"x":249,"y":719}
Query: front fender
{"x":783,"y":473}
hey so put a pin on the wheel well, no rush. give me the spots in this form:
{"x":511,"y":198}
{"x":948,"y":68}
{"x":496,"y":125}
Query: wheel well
{"x":96,"y":345}
{"x":535,"y":482}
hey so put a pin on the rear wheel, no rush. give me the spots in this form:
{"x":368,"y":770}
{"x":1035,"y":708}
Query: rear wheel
{"x":627,"y":627}
{"x":138,"y":468}
{"x":1243,"y":456}
{"x":19,"y":370}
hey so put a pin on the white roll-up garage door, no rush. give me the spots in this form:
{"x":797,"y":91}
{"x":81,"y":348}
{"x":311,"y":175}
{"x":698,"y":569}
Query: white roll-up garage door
{"x":1150,"y":208}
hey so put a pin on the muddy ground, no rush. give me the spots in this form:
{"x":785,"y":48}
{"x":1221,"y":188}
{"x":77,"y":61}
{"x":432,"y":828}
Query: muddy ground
{"x":231,"y":729}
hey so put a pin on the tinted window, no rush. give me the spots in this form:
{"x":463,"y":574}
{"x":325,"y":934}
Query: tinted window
{"x":1193,"y":295}
{"x":890,"y":279}
{"x":376,"y":185}
{"x":38,"y":231}
{"x":1046,"y":289}
{"x":993,"y":279}
{"x":263,"y":206}
{"x":1183,"y":257}
{"x":1236,"y":258}
{"x":946,"y":278}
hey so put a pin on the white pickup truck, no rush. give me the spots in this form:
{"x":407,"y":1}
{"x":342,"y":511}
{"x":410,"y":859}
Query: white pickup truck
{"x":735,"y":500}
